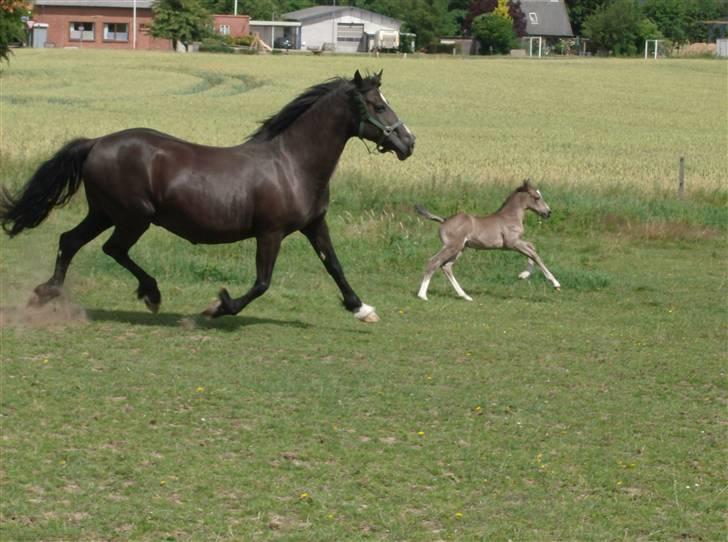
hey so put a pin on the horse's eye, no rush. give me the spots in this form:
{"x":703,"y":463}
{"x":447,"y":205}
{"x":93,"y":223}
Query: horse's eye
{"x":380,"y":108}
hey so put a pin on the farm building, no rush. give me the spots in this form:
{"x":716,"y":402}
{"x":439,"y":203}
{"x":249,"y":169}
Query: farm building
{"x":546,"y":18}
{"x":110,"y":24}
{"x":345,"y":29}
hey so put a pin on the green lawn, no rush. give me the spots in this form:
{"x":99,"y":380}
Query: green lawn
{"x":594,"y":413}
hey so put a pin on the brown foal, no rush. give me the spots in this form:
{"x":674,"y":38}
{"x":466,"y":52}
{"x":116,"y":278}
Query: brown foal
{"x":502,"y":230}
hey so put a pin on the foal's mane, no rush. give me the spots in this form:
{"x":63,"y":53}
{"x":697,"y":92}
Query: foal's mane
{"x":278,"y":123}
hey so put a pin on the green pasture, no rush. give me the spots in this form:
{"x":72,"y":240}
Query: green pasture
{"x":596,"y":413}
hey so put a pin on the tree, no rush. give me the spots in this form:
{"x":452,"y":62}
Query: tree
{"x":182,"y":21}
{"x":698,"y":11}
{"x":620,"y":28}
{"x":670,"y":16}
{"x":579,"y":10}
{"x":480,"y":7}
{"x":494,"y":32}
{"x":12,"y":28}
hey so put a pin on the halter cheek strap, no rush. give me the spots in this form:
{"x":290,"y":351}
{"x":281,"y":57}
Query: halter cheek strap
{"x":366,"y":117}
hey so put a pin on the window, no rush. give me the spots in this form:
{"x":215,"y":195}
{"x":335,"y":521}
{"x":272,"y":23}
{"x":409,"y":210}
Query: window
{"x":533,"y":17}
{"x":224,"y":29}
{"x":116,"y":32}
{"x":82,"y":31}
{"x":349,"y":32}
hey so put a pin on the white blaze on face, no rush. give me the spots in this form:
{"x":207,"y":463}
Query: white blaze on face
{"x":403,"y":125}
{"x":383,"y":98}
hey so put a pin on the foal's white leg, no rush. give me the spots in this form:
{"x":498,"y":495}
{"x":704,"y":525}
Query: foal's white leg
{"x":447,"y":269}
{"x":527,"y":249}
{"x":527,"y":273}
{"x":443,"y":255}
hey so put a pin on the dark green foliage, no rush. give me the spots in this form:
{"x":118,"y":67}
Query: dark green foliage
{"x":481,"y":7}
{"x":183,"y":21}
{"x":619,"y":28}
{"x":11,"y":26}
{"x":494,"y":33}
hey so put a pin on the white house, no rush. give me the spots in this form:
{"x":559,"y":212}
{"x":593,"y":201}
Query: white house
{"x":345,"y":29}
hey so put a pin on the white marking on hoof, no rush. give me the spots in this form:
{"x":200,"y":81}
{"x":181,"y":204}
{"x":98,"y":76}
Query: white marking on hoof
{"x":212,"y":309}
{"x":524,"y":275}
{"x":423,"y":297}
{"x":467,"y":298}
{"x":366,"y":313}
{"x":557,"y":285}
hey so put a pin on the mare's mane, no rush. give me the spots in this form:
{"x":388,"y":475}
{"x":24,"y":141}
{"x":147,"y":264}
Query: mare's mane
{"x":278,"y":123}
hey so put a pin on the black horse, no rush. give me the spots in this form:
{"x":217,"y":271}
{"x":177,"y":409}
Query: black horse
{"x":275,"y":183}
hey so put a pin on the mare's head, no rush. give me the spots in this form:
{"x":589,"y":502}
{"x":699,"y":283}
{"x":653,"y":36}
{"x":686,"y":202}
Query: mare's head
{"x":377,"y":122}
{"x":532,"y":199}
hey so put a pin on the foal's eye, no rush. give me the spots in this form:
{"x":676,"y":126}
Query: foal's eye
{"x":380,"y":108}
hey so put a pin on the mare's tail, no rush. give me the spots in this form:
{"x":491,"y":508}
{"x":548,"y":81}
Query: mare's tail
{"x":427,"y":214}
{"x":52,"y":185}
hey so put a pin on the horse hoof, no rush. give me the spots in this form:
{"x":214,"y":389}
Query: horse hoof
{"x":154,"y":307}
{"x":524,"y":275}
{"x":422,"y":297}
{"x":365,"y":313}
{"x":467,"y":298}
{"x":370,"y":318}
{"x":213,"y":310}
{"x":42,"y":295}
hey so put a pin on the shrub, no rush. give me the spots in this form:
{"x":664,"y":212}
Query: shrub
{"x":214,"y":45}
{"x":495,"y":34}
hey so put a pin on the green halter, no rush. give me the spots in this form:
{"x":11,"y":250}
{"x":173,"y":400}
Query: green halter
{"x":365,"y":116}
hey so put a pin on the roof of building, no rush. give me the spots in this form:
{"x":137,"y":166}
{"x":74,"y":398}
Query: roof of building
{"x":551,"y":18}
{"x":140,"y":4}
{"x":330,"y":12}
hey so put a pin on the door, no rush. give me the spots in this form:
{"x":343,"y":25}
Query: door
{"x":40,"y":36}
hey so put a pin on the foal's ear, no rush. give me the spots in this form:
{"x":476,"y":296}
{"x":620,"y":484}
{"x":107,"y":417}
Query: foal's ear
{"x":357,"y":79}
{"x":527,"y":183}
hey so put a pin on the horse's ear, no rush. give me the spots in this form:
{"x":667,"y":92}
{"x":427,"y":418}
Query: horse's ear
{"x":527,"y":183}
{"x":379,"y":77}
{"x":357,"y":79}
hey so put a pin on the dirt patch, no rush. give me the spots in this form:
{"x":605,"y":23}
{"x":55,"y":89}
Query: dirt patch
{"x":60,"y":312}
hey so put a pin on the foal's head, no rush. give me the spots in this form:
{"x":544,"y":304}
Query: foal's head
{"x":532,"y":199}
{"x":377,"y":121}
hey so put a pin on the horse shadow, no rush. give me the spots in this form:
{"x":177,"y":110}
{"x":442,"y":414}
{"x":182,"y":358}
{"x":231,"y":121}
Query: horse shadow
{"x":198,"y":321}
{"x":191,"y":321}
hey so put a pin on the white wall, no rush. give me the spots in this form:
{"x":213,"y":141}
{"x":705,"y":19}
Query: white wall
{"x":314,"y":35}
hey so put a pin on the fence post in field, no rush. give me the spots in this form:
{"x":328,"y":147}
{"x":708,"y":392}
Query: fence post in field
{"x":681,"y":179}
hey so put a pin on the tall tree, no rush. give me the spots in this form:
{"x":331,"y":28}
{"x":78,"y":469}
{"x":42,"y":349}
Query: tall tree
{"x":619,"y":28}
{"x":12,"y":28}
{"x":670,"y":16}
{"x":182,"y":21}
{"x":480,"y":7}
{"x":579,"y":10}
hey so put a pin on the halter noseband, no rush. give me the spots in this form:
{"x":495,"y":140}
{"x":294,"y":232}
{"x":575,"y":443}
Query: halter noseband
{"x":365,"y":116}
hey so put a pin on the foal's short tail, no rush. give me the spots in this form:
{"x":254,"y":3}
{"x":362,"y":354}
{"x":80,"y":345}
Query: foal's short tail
{"x":427,"y":214}
{"x":51,"y":185}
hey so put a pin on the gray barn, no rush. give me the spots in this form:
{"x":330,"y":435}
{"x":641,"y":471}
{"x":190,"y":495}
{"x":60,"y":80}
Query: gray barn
{"x":346,"y":29}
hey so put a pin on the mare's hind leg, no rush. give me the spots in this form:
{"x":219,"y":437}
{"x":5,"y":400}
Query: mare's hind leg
{"x":118,"y":246}
{"x":445,"y":254}
{"x":69,"y":243}
{"x":266,"y":252}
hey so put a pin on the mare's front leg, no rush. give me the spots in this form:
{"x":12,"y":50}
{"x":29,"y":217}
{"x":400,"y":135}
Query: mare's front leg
{"x":528,"y":250}
{"x":265,"y":258}
{"x":318,"y":235}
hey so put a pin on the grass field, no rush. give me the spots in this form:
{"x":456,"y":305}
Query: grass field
{"x":596,"y":413}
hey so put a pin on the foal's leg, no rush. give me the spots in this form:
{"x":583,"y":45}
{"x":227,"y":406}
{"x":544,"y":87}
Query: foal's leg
{"x":527,"y":272}
{"x":445,"y":254}
{"x":118,"y":246}
{"x":69,"y":243}
{"x":318,"y":235}
{"x":528,"y":250}
{"x":266,"y":252}
{"x":447,"y":269}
